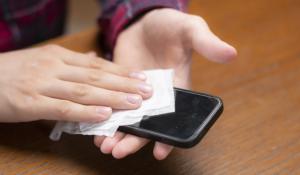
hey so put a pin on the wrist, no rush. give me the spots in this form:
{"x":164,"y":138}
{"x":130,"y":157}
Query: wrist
{"x":124,"y":14}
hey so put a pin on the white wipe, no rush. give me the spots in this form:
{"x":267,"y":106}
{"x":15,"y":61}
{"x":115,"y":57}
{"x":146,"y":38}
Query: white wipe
{"x":161,"y":102}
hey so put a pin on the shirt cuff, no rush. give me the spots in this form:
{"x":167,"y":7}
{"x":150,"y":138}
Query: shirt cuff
{"x":115,"y":17}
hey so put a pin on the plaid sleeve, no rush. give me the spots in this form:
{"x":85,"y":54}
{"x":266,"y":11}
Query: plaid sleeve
{"x":117,"y":14}
{"x":26,"y":22}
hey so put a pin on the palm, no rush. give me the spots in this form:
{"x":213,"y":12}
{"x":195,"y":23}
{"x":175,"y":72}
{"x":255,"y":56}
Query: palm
{"x":153,"y":45}
{"x":163,"y":38}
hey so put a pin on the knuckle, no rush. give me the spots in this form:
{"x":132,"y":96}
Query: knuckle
{"x":80,"y":90}
{"x":24,"y":103}
{"x":26,"y":83}
{"x":202,"y":23}
{"x":39,"y":69}
{"x":47,"y":63}
{"x":199,"y":19}
{"x":194,"y":22}
{"x":64,"y":109}
{"x":51,"y":47}
{"x":55,"y":53}
{"x":94,"y":76}
{"x":44,"y":62}
{"x":124,"y":71}
{"x":95,"y":63}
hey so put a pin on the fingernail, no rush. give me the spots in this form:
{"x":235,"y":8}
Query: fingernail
{"x":104,"y":111}
{"x":134,"y":99}
{"x":138,"y":75}
{"x":145,"y":88}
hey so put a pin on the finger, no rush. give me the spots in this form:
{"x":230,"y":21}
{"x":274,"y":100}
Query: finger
{"x":82,"y":60}
{"x":206,"y":42}
{"x":89,"y":95}
{"x":101,"y":79}
{"x":128,"y":145}
{"x":78,"y":59}
{"x":161,"y":150}
{"x":110,"y":142}
{"x":56,"y":109}
{"x":98,"y":140}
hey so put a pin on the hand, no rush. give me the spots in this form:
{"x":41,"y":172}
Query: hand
{"x":163,"y":38}
{"x":54,"y":83}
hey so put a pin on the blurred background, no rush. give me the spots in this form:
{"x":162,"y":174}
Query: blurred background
{"x":81,"y":15}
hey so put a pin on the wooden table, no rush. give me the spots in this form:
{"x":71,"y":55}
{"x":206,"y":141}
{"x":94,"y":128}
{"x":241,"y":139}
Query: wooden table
{"x":259,"y":132}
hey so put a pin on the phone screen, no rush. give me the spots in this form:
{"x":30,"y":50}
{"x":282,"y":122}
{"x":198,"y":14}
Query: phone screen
{"x":192,"y":112}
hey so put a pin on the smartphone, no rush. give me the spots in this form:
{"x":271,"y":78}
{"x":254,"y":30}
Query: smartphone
{"x":194,"y":114}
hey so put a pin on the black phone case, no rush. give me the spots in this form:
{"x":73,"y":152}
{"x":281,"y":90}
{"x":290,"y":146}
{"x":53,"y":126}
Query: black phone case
{"x":175,"y":141}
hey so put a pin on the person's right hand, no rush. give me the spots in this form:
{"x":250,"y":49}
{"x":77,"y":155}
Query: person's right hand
{"x":54,"y":83}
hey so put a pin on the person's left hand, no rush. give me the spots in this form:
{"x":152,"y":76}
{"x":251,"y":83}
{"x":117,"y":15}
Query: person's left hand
{"x":163,"y":38}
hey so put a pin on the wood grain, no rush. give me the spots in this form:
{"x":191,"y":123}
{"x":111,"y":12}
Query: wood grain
{"x":259,"y":132}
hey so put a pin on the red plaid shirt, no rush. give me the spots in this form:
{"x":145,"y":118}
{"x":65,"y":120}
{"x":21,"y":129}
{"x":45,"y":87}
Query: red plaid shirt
{"x":25,"y":22}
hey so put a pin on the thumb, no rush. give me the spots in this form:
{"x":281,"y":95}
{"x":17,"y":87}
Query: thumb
{"x":207,"y":43}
